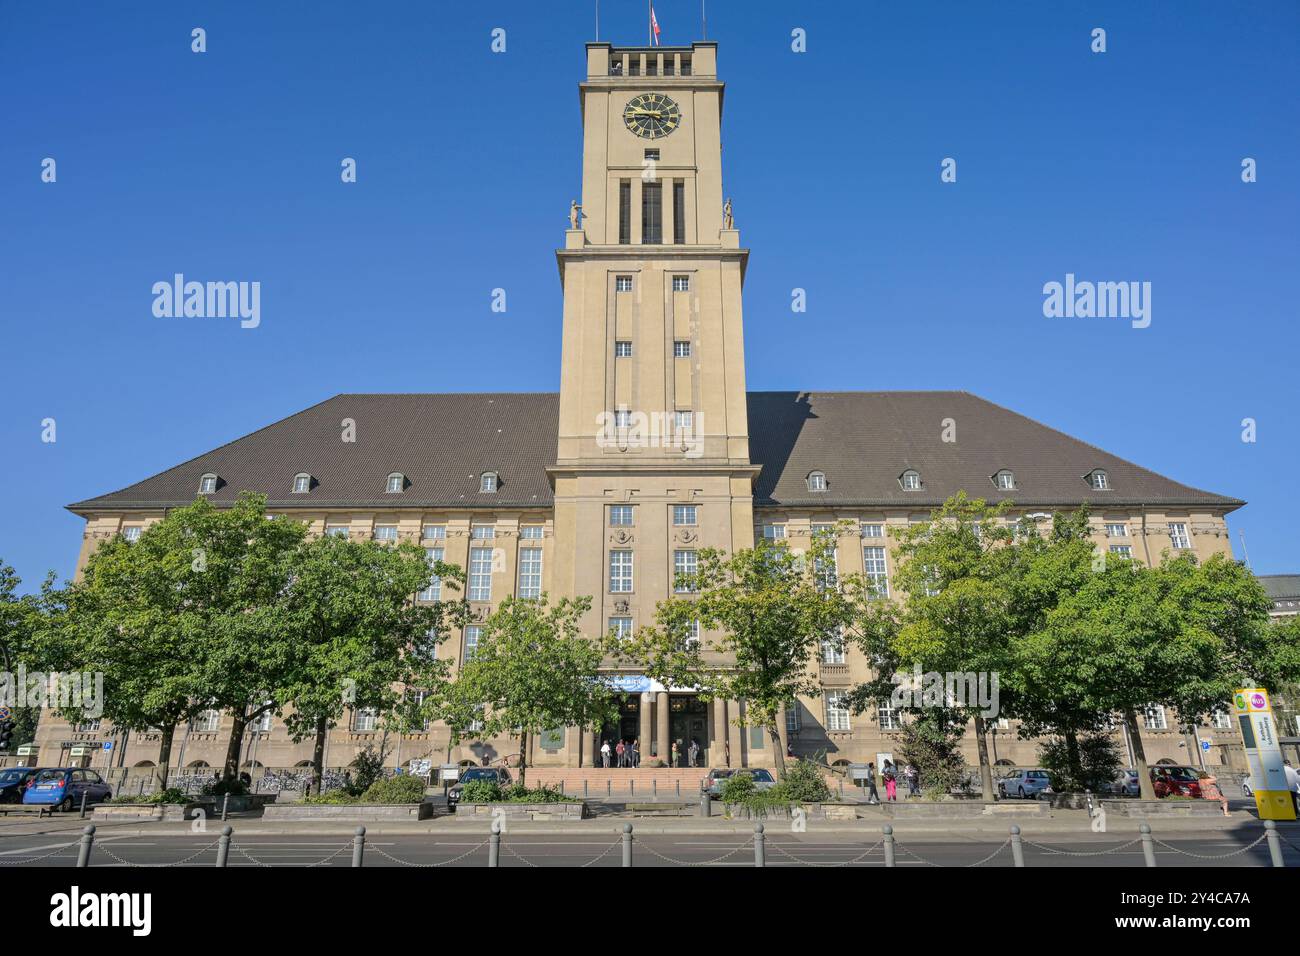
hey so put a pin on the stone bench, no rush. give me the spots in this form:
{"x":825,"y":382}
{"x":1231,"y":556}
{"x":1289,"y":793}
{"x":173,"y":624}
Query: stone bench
{"x":346,"y":812}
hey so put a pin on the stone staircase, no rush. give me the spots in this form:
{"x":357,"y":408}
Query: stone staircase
{"x":641,"y":783}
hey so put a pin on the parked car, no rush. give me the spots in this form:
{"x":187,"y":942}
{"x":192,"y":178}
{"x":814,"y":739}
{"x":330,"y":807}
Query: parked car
{"x":1126,"y":784}
{"x":1025,"y":784}
{"x":763,"y":779}
{"x":1167,"y":780}
{"x":498,"y":775}
{"x":13,"y":781}
{"x":63,"y":786}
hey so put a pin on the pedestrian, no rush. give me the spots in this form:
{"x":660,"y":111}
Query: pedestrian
{"x":694,"y":752}
{"x":636,"y":753}
{"x":891,"y":781}
{"x":873,"y":795}
{"x":604,"y":754}
{"x":675,"y":757}
{"x":913,"y":780}
{"x":1292,"y":784}
{"x":620,"y":750}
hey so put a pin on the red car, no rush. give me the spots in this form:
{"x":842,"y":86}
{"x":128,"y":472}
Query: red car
{"x":1176,"y":781}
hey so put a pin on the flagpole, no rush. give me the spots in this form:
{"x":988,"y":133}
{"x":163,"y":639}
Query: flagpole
{"x":704,"y":22}
{"x":597,"y":21}
{"x":649,"y":23}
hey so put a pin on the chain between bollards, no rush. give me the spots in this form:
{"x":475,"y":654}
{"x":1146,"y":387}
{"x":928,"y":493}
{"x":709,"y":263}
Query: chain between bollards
{"x":888,"y":831}
{"x":1017,"y":849}
{"x":1274,"y":843}
{"x":627,"y":844}
{"x":760,"y":851}
{"x":359,"y":847}
{"x":87,"y":841}
{"x":494,"y":849}
{"x":223,"y":847}
{"x":1148,"y":848}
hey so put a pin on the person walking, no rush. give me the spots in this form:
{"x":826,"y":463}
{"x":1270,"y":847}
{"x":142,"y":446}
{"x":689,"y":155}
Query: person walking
{"x":604,"y":754}
{"x":620,"y":751}
{"x":873,"y":795}
{"x":891,"y":781}
{"x":694,"y":752}
{"x":913,"y":780}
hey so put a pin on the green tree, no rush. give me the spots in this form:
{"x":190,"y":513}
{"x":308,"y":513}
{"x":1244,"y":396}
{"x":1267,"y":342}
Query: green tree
{"x":358,"y":638}
{"x":773,"y":608}
{"x":532,"y":671}
{"x":22,"y":619}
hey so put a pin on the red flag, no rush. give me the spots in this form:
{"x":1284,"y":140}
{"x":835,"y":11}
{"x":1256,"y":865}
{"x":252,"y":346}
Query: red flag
{"x":654,"y":24}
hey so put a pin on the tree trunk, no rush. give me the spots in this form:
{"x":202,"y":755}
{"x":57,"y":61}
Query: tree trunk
{"x":1072,"y":757}
{"x":982,"y":748}
{"x":233,"y":748}
{"x":1145,"y":787}
{"x":774,"y":734}
{"x":318,"y":756}
{"x":523,"y":756}
{"x":163,"y":769}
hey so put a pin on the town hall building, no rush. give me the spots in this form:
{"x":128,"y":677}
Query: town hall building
{"x":652,"y":449}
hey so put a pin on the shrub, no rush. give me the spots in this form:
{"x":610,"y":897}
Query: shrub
{"x":226,"y":785}
{"x":738,"y":788}
{"x":803,"y":783}
{"x":485,"y":791}
{"x":172,"y":795}
{"x":480,"y":791}
{"x":331,"y":797}
{"x":402,"y":788}
{"x":935,"y":748}
{"x":1098,"y":757}
{"x":367,"y":768}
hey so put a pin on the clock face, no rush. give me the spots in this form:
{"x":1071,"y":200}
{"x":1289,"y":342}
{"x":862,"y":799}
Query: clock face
{"x":652,"y":115}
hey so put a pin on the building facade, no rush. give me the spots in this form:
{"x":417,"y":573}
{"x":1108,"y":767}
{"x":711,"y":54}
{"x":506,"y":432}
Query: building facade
{"x":652,"y":449}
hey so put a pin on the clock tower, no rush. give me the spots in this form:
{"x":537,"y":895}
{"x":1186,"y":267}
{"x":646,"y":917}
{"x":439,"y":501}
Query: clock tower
{"x":652,"y":462}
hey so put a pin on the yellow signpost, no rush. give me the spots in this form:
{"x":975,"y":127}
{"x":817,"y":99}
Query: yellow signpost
{"x":1263,"y":753}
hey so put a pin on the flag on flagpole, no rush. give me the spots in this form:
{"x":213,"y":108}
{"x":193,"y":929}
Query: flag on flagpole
{"x":654,"y":24}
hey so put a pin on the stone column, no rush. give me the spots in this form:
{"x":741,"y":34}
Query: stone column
{"x":588,"y":755}
{"x":662,"y":744}
{"x":646,"y":727}
{"x":735,"y":735}
{"x":717,"y":749}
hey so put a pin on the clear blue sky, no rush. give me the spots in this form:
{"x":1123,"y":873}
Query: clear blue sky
{"x":225,"y":165}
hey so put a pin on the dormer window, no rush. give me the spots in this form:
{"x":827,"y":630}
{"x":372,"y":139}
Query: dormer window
{"x":910,"y":480}
{"x":1005,"y":480}
{"x":301,"y":483}
{"x":396,"y":483}
{"x":208,"y":484}
{"x":487,"y":482}
{"x":817,"y":481}
{"x":1098,"y":481}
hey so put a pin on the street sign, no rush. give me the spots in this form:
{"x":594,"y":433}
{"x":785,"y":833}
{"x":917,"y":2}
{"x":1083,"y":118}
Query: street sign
{"x":449,"y":772}
{"x":1263,"y":753}
{"x":108,"y":745}
{"x":1205,"y":745}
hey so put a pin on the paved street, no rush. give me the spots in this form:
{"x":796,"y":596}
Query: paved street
{"x":583,"y":844}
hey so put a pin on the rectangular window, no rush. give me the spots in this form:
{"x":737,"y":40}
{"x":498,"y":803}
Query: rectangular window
{"x":622,"y":349}
{"x":132,"y":533}
{"x":837,"y":711}
{"x":684,"y":514}
{"x":207,"y":722}
{"x":483,"y":532}
{"x":1117,"y":531}
{"x":1221,"y":720}
{"x":833,"y":650}
{"x":623,"y":284}
{"x":480,"y":574}
{"x":530,"y":572}
{"x":337,"y":531}
{"x":679,"y":220}
{"x":363,"y":720}
{"x":622,"y":418}
{"x":620,"y":572}
{"x":652,"y":155}
{"x":433,"y":592}
{"x":693,"y":634}
{"x":793,"y":715}
{"x":681,"y":349}
{"x":531,"y":532}
{"x":620,"y":516}
{"x":682,"y":421}
{"x":385,"y":532}
{"x":1178,"y":535}
{"x":1153,"y":715}
{"x":1122,"y":550}
{"x":684,"y":562}
{"x":774,"y":532}
{"x":886,"y":715}
{"x":624,"y":211}
{"x":652,"y":214}
{"x":620,"y":627}
{"x":873,"y":561}
{"x":826,"y":572}
{"x":681,"y":283}
{"x":472,"y":634}
{"x":873,"y":531}
{"x":686,"y":66}
{"x":435,"y":532}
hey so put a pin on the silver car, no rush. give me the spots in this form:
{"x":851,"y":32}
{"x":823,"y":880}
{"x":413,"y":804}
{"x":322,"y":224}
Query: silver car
{"x":763,"y":779}
{"x":1025,"y":784}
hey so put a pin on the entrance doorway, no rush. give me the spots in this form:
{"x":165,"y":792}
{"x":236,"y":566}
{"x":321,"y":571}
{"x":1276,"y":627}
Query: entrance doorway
{"x":688,"y":719}
{"x":626,"y":728}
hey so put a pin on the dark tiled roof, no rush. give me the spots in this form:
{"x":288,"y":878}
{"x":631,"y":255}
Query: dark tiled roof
{"x":1281,"y":586}
{"x":863,"y":441}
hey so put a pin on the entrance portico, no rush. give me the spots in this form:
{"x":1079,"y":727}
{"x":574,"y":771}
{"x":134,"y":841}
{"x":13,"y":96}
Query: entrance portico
{"x":657,"y":716}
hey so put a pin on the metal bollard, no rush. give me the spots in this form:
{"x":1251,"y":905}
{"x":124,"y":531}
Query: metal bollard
{"x":631,"y":787}
{"x":760,"y":851}
{"x":84,"y":795}
{"x":706,"y":804}
{"x":494,"y":849}
{"x":225,"y":807}
{"x":584,"y":788}
{"x":87,"y":841}
{"x":841,"y":791}
{"x":679,"y":789}
{"x":654,"y":787}
{"x":888,"y":831}
{"x":1148,"y":848}
{"x":223,"y":846}
{"x":359,"y":847}
{"x":609,"y":788}
{"x":1274,"y":842}
{"x":627,"y":844}
{"x":1017,"y":850}
{"x":1087,"y":795}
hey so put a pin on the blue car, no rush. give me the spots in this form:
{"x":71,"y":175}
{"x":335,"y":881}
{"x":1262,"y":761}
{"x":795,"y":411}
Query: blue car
{"x":63,"y":787}
{"x":13,"y":781}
